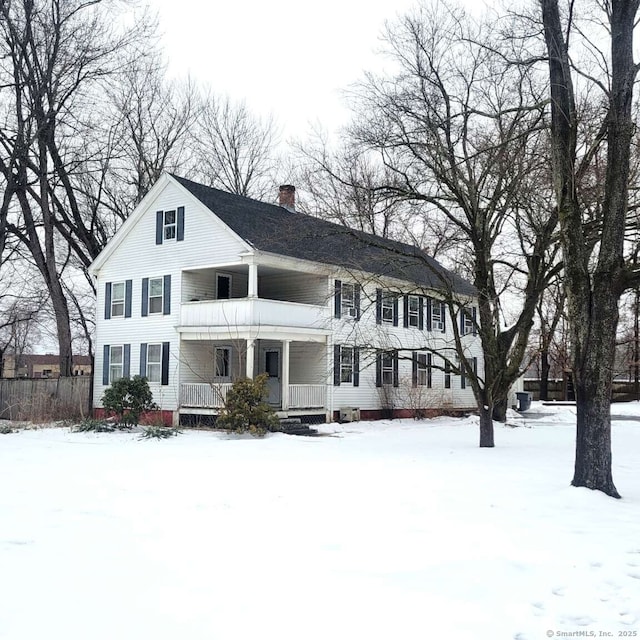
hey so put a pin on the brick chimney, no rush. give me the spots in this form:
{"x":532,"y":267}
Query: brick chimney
{"x":287,"y":197}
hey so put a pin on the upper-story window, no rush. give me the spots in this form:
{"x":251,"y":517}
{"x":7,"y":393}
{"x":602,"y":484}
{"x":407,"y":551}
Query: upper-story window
{"x":117,"y":299}
{"x":386,"y":307}
{"x":347,"y":300}
{"x":388,"y":301}
{"x":169,"y":225}
{"x":223,"y":287}
{"x":437,"y":315}
{"x":467,"y":320}
{"x":155,"y":295}
{"x":413,"y":311}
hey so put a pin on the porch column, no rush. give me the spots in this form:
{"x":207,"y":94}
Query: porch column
{"x":253,"y":281}
{"x":285,"y":373}
{"x":251,"y":348}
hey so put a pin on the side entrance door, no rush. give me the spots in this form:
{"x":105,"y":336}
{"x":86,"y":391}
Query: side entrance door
{"x":272,"y":368}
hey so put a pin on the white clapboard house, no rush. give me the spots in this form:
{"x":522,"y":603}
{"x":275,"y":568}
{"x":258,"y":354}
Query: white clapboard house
{"x":200,"y":287}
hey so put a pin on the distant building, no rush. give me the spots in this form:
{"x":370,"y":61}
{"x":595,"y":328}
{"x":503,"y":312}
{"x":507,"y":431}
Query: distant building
{"x":42,"y":366}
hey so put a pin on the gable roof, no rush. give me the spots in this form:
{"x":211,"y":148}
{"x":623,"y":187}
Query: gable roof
{"x":274,"y":229}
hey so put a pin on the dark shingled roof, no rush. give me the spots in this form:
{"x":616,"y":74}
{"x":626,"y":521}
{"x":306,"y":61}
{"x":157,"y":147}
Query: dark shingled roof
{"x":274,"y":229}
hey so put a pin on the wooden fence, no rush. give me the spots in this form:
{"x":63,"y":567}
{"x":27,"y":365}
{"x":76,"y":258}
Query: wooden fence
{"x":42,"y":400}
{"x":623,"y":391}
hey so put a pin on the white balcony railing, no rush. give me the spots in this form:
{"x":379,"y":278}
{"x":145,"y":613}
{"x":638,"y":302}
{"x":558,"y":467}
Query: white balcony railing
{"x":253,"y":312}
{"x":306,"y":396}
{"x":205,"y":396}
{"x":212,"y":396}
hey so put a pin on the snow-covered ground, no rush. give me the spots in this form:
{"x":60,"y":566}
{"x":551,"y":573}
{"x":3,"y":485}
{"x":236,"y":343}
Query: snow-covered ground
{"x":384,"y":530}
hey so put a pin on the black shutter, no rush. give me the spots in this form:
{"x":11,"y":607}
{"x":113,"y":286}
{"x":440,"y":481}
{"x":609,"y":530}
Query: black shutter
{"x":429,"y":303}
{"x":338,"y":299}
{"x":443,"y":313}
{"x":107,"y":301}
{"x":463,"y":371}
{"x":126,"y":361}
{"x":421,"y":313}
{"x":105,"y":365}
{"x":356,"y":366}
{"x":356,"y":289}
{"x":143,"y":360}
{"x":395,"y":311}
{"x":414,"y":369}
{"x":405,"y":311}
{"x":165,"y":364}
{"x":396,"y":380}
{"x":180,"y":229}
{"x":336,"y":365}
{"x":429,"y":372}
{"x":379,"y":369}
{"x":159,"y":226}
{"x":128,"y":288}
{"x":475,"y":318}
{"x":166,"y":300}
{"x":462,"y":314}
{"x":145,"y":297}
{"x":378,"y":306}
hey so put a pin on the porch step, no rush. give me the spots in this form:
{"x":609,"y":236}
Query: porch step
{"x":294,"y":427}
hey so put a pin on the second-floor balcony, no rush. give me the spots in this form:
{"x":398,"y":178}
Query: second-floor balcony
{"x":253,"y":312}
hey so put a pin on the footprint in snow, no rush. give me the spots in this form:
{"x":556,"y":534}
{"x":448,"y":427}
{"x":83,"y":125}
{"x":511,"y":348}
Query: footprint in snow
{"x":558,"y":591}
{"x":628,"y":618}
{"x":634,"y":574}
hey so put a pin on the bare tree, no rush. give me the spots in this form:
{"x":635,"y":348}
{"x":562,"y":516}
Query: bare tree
{"x":459,"y":128}
{"x":234,"y":149}
{"x":595,"y":272}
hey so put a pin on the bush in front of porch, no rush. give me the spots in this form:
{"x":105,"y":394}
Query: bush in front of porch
{"x":246,"y":410}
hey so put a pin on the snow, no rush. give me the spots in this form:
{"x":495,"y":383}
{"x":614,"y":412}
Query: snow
{"x":391,"y":529}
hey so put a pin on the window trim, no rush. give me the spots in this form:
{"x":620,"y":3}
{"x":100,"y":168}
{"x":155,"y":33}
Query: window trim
{"x":113,"y":378}
{"x":424,"y":370}
{"x":387,"y":304}
{"x":158,"y":363}
{"x":348,"y":307}
{"x":346,"y":366}
{"x":169,"y":226}
{"x":415,"y":314}
{"x":437,"y":308}
{"x":161,"y":296}
{"x":120,"y":301}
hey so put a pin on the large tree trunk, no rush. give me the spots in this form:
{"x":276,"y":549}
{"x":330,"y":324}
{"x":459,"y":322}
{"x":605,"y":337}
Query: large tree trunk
{"x":544,"y":375}
{"x":486,"y":426}
{"x":500,"y":409}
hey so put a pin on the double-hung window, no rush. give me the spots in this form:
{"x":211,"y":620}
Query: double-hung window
{"x":223,"y":362}
{"x":156,"y":294}
{"x":413,"y":311}
{"x":423,"y":370}
{"x":117,"y":299}
{"x":437,"y":315}
{"x":169,"y":225}
{"x":346,"y":364}
{"x":467,"y":321}
{"x":387,"y":367}
{"x":116,"y":362}
{"x":154,"y":362}
{"x":348,"y":300}
{"x":447,"y":375}
{"x":388,"y":303}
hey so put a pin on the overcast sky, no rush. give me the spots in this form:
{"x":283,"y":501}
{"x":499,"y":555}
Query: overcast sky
{"x":291,"y":59}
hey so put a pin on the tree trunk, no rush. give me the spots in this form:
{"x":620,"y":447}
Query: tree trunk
{"x":500,"y":410}
{"x":545,"y":367}
{"x":486,"y":426}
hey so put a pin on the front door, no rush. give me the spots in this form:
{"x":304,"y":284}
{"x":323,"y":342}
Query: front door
{"x":272,"y":368}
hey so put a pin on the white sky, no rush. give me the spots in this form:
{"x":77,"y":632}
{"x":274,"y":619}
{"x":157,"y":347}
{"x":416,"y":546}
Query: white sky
{"x":290,"y":59}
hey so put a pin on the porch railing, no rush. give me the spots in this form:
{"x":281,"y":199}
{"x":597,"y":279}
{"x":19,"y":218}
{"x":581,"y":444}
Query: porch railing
{"x":306,"y":396}
{"x":206,"y":396}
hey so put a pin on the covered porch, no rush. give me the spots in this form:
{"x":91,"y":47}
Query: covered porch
{"x":296,"y":367}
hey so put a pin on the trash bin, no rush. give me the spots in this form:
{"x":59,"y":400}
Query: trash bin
{"x":524,"y":400}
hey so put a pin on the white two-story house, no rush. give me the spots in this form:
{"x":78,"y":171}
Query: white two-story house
{"x":199,"y":287}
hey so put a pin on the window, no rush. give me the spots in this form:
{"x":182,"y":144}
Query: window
{"x":463,"y":377}
{"x":467,"y":321}
{"x":413,"y":311}
{"x":348,"y":300}
{"x":388,"y":304}
{"x":155,"y":295}
{"x":447,"y":375}
{"x":117,"y":299}
{"x":223,"y":287}
{"x":116,"y":362}
{"x":223,"y":362}
{"x":387,"y":367}
{"x":169,"y":225}
{"x":346,"y":364}
{"x":154,"y":363}
{"x":437,"y":315}
{"x":423,"y":370}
